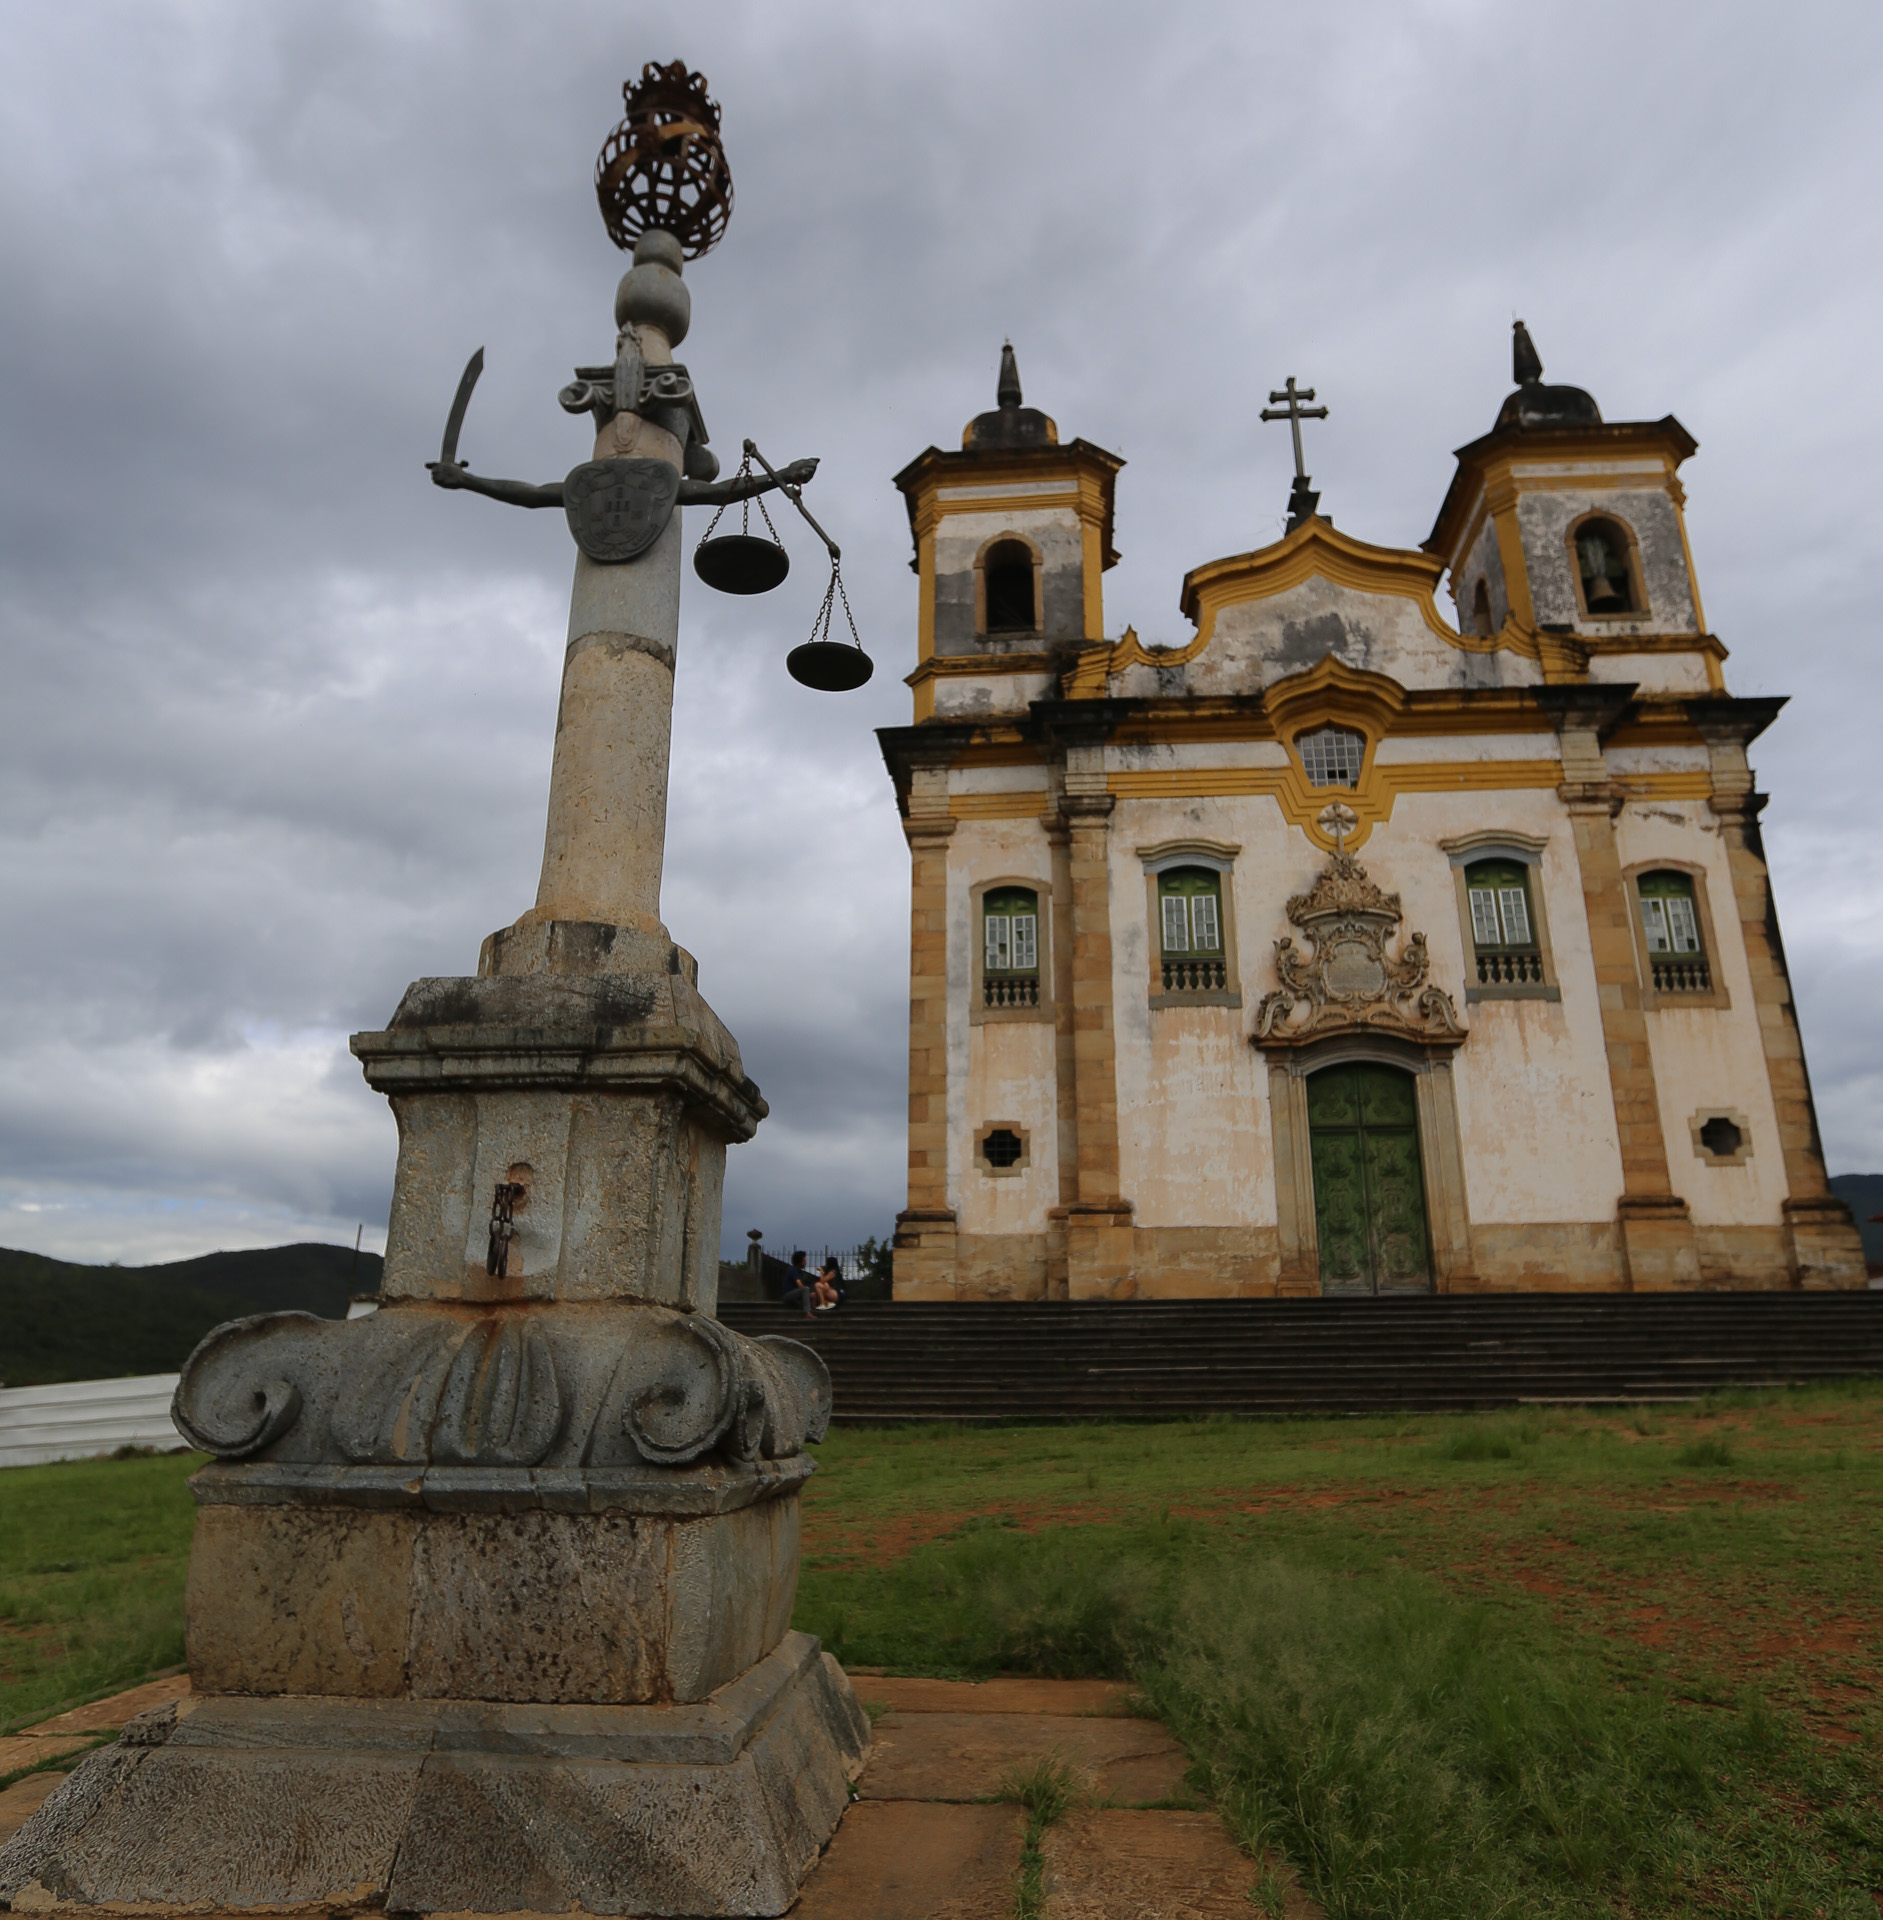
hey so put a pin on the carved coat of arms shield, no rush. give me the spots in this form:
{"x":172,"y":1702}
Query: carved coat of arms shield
{"x":618,"y":508}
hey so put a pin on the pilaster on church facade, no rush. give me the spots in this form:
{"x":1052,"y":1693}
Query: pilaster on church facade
{"x":1351,"y":945}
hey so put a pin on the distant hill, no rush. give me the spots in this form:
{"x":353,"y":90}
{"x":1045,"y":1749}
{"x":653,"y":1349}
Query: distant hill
{"x":1864,"y":1192}
{"x":62,"y":1321}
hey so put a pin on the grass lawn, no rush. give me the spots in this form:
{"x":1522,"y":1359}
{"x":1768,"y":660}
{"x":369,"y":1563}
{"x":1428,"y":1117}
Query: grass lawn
{"x":92,"y":1558}
{"x":1580,"y":1662}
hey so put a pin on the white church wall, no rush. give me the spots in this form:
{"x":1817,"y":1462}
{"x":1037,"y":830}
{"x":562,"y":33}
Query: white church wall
{"x":1653,"y":672}
{"x":998,"y":780}
{"x":1011,"y":1079}
{"x":967,"y":696}
{"x":1193,"y":1132}
{"x":983,"y":851}
{"x":1150,"y":756}
{"x":1407,"y":750}
{"x":1536,"y":1116}
{"x":1709,"y":1059}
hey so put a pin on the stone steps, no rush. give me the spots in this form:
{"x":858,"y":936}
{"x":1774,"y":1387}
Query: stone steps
{"x":1045,"y":1360}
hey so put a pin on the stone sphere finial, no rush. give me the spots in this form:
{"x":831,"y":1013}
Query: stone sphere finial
{"x":663,"y":167}
{"x":651,"y":293}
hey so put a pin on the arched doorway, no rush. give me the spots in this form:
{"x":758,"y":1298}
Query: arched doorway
{"x":1369,"y":1193}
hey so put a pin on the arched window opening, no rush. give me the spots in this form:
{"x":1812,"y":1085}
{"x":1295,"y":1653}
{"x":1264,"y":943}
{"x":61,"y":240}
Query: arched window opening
{"x":1331,"y":756}
{"x":1481,"y":612}
{"x":1602,"y":560}
{"x":1503,"y":925}
{"x":1676,"y":954}
{"x":1008,"y":569}
{"x":1010,"y":948}
{"x":1190,"y":930}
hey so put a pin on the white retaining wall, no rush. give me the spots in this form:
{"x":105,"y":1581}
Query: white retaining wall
{"x":86,"y":1417}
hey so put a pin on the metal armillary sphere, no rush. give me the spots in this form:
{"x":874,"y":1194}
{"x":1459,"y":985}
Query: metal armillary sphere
{"x":663,"y":165}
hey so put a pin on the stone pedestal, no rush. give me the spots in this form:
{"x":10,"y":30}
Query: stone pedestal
{"x":296,"y":1804}
{"x":1658,"y":1240}
{"x":489,"y":1603}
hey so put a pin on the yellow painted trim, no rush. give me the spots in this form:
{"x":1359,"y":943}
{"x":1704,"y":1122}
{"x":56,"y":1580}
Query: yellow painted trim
{"x":925,"y":595}
{"x":1028,"y":805}
{"x":1372,"y":801}
{"x":1005,"y":503}
{"x":978,"y":666}
{"x":1697,"y":785}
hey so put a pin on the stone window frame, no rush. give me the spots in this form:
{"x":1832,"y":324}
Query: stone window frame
{"x":987,"y":1167}
{"x":1637,"y":577}
{"x":1526,"y":849}
{"x":1441,"y":1153}
{"x":980,"y":584}
{"x":1702,"y":1151}
{"x":979,"y":1013}
{"x":1653,"y":1001}
{"x":1220,"y":858}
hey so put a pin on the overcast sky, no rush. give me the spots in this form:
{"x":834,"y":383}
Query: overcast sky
{"x":279,"y":714}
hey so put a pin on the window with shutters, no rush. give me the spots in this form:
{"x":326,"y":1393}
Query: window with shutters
{"x":1503,"y":926}
{"x":1670,"y":925}
{"x":1332,"y":756}
{"x":1010,"y":948}
{"x":1503,"y":919}
{"x":1190,"y":924}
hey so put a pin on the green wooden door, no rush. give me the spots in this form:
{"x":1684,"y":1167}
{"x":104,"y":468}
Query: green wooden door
{"x":1369,"y":1197}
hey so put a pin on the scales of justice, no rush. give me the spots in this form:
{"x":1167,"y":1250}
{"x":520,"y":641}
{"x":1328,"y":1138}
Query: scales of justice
{"x":490,"y":1593}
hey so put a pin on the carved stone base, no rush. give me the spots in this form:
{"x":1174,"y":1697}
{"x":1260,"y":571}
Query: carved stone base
{"x":353,"y":1806}
{"x":295,"y":1599}
{"x":1657,"y":1237}
{"x":1826,"y":1248}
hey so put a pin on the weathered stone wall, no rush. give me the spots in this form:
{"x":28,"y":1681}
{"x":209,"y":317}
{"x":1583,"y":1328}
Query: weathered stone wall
{"x":1545,"y":517}
{"x":1055,"y":530}
{"x":1257,"y":642}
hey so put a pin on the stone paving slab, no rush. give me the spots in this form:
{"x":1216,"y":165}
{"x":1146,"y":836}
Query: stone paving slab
{"x":994,"y":1696}
{"x":963,"y":1756}
{"x":1120,"y":1865}
{"x":107,"y":1716}
{"x":21,"y":1801}
{"x":917,"y":1860}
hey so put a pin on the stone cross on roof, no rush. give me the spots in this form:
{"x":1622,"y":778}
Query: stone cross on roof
{"x":1302,"y":502}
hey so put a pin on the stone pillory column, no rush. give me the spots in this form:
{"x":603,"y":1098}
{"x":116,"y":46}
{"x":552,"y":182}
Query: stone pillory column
{"x":490,"y":1597}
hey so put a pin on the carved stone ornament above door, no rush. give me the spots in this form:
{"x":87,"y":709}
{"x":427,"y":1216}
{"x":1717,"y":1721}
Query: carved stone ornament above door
{"x":1346,"y":980}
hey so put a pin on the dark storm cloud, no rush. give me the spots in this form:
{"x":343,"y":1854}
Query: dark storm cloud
{"x":278,"y":714}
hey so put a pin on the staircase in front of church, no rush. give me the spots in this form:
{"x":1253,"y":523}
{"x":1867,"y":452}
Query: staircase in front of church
{"x":1167,"y":1359}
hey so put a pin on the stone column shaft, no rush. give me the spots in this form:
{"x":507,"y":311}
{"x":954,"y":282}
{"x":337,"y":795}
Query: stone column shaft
{"x":1826,"y":1249}
{"x":1098,"y":1223}
{"x":1657,"y":1231}
{"x":607,"y":829}
{"x":925,"y":1230}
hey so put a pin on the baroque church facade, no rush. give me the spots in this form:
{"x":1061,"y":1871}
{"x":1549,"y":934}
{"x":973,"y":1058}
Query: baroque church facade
{"x":1354,"y":945}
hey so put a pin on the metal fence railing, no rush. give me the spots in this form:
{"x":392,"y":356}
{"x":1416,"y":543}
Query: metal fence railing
{"x":766,"y":1272}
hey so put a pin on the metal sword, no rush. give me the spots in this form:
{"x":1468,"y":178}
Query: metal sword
{"x":448,"y":453}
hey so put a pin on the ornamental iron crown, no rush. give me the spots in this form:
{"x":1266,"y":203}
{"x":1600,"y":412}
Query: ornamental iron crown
{"x":663,"y":166}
